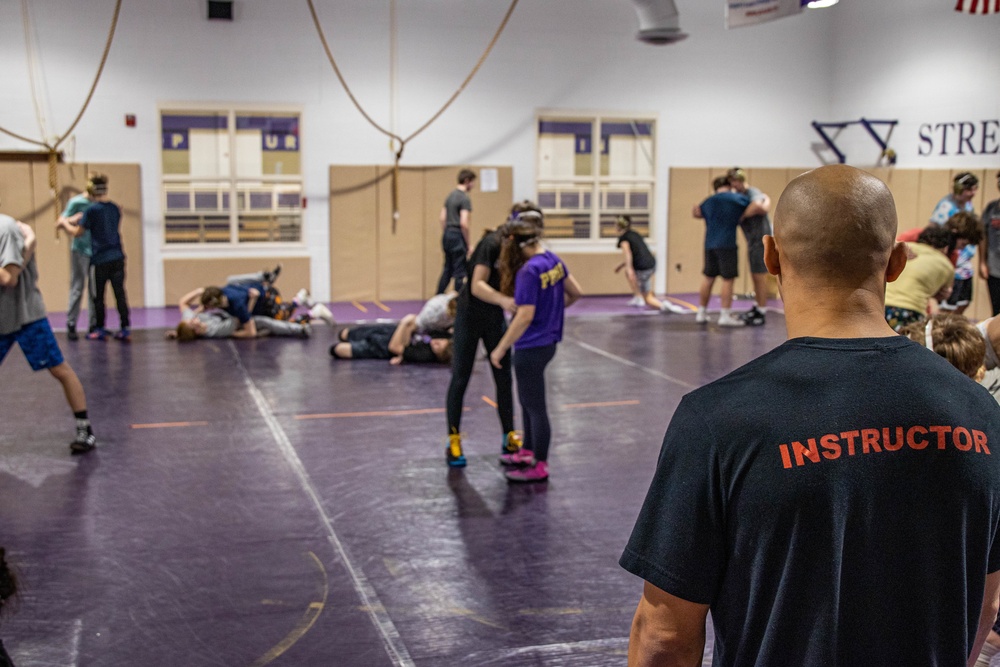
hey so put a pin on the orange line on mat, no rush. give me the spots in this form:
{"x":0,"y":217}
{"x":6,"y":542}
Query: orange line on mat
{"x":490,"y":402}
{"x":357,"y":304}
{"x":169,"y":424}
{"x":600,"y":405}
{"x":381,"y":413}
{"x":382,"y":306}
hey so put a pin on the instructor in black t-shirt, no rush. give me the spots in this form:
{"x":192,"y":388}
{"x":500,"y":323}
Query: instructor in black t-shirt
{"x":849,"y":520}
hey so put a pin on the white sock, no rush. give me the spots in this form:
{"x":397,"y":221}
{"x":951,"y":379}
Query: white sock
{"x":986,"y":655}
{"x":762,"y":309}
{"x":724,"y":313}
{"x":701,"y":310}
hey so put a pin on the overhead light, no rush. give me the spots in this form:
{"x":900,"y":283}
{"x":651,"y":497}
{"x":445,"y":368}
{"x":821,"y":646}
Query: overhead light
{"x":659,"y":22}
{"x":819,"y":4}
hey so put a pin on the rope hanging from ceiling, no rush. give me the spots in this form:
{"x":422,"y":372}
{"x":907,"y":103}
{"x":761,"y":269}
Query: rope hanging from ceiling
{"x":53,"y":147}
{"x":395,"y":138}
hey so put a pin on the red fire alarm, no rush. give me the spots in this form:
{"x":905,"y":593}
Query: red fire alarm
{"x":130,"y":120}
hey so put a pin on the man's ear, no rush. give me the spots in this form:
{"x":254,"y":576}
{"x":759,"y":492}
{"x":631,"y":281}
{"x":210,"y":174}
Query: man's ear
{"x":771,"y":260}
{"x":897,"y":262}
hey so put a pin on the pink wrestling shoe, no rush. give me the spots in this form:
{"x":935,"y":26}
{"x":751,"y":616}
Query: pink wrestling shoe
{"x":539,"y":472}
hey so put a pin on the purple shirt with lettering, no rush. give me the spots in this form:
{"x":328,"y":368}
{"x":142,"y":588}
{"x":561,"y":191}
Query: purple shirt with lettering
{"x":541,"y":283}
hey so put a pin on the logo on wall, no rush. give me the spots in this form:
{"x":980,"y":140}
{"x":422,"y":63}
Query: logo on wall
{"x":962,"y":137}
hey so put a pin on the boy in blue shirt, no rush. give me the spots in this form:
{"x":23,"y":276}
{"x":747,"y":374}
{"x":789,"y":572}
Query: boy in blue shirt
{"x":722,"y":213}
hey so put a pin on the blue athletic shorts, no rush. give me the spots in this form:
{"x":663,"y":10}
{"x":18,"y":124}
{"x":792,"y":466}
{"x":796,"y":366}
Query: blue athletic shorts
{"x":37,"y":342}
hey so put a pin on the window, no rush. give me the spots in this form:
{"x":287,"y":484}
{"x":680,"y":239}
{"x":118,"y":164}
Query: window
{"x":591,"y":169}
{"x":231,"y":177}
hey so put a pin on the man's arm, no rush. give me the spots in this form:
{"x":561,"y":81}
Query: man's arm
{"x":765,"y":202}
{"x":443,"y":217}
{"x":696,"y":212}
{"x":30,"y":242}
{"x":988,"y":615}
{"x":481,"y":289}
{"x":627,"y":254}
{"x":70,"y":224}
{"x":464,"y":217}
{"x":666,"y":631}
{"x":518,"y":325}
{"x":754,"y":209}
{"x":402,"y":335}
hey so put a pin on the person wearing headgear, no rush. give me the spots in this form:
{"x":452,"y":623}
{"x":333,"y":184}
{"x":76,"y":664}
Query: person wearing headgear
{"x":639,"y":265}
{"x":103,"y":220}
{"x":865,"y":485}
{"x":455,"y":217}
{"x":479,"y":316}
{"x":542,"y":288}
{"x":754,"y":227}
{"x":989,"y":251}
{"x":924,"y":283}
{"x":722,"y":213}
{"x":23,"y":321}
{"x":964,"y":188}
{"x":80,"y":277}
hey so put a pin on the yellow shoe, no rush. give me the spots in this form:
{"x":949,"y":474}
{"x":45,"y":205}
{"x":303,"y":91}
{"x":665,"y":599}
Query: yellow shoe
{"x":512,"y":443}
{"x":455,"y":457}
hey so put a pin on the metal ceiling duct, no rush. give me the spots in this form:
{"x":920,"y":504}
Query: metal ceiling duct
{"x":659,"y":22}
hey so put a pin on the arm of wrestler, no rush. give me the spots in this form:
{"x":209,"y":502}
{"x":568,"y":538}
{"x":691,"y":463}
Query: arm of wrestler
{"x":754,"y":209}
{"x":627,"y":256}
{"x":666,"y":631}
{"x":988,"y":615}
{"x":30,"y":242}
{"x":696,"y":211}
{"x":481,"y":289}
{"x":572,"y":291}
{"x":252,"y":295}
{"x":191,"y":300}
{"x":518,"y":325}
{"x":402,"y":335}
{"x":69,"y":224}
{"x":443,"y":218}
{"x":247,"y":330}
{"x":765,"y":202}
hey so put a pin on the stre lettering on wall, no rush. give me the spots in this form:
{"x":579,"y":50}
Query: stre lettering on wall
{"x":961,"y":137}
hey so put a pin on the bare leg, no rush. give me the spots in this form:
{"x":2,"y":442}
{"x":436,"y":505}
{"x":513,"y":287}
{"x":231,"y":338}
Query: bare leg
{"x":727,"y":293}
{"x":760,"y":288}
{"x":652,"y":301}
{"x":71,"y":386}
{"x":705,"y":292}
{"x":342,"y":350}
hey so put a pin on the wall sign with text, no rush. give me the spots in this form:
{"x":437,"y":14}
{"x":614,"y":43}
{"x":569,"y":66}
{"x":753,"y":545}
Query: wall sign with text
{"x":962,"y":137}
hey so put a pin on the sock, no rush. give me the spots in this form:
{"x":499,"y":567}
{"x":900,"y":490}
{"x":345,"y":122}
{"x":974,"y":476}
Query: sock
{"x":724,"y":313}
{"x":761,"y":309}
{"x":701,"y":310}
{"x":986,"y":655}
{"x":82,"y":422}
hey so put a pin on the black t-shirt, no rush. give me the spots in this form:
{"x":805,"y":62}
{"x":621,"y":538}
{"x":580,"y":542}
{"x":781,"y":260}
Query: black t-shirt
{"x":419,"y":352}
{"x":486,"y":253}
{"x":642,"y":259}
{"x":836,"y":502}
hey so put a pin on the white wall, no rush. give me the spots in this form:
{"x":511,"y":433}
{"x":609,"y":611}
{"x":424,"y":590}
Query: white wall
{"x":722,"y":97}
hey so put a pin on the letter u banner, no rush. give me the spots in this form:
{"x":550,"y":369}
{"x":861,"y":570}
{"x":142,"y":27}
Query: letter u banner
{"x":751,"y":12}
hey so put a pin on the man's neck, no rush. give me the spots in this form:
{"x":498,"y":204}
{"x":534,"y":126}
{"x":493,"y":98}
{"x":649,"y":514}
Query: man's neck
{"x":836,"y":313}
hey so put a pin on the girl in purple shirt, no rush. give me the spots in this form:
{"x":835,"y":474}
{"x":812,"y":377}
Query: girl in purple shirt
{"x":542,"y":287}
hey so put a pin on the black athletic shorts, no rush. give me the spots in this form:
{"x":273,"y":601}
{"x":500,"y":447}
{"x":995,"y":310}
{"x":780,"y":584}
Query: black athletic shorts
{"x":961,"y":294}
{"x":721,"y":262}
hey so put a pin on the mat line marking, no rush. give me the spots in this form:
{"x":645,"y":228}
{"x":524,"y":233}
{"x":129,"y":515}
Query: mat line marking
{"x":391,"y":640}
{"x":309,"y":617}
{"x":489,"y":401}
{"x":169,"y":424}
{"x":379,"y":304}
{"x":377,"y":413}
{"x":359,"y":306}
{"x":626,"y":362}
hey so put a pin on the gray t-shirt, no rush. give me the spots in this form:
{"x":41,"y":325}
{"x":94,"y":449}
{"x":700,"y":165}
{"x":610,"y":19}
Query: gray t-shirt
{"x":456,"y":202}
{"x":21,"y":304}
{"x":991,"y":225}
{"x":434,"y":315}
{"x":218,"y":323}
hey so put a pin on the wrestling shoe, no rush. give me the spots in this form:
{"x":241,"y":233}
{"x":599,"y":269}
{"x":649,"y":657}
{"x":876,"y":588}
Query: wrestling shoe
{"x":84,"y":442}
{"x":730,"y":321}
{"x":668,"y":306}
{"x":71,"y":333}
{"x":511,"y":443}
{"x":271,"y":276}
{"x":454,"y":455}
{"x":701,"y":317}
{"x":321,"y":312}
{"x":303,"y":298}
{"x":539,"y":472}
{"x":753,"y":317}
{"x":98,"y":334}
{"x":123,"y":335}
{"x":522,"y":457}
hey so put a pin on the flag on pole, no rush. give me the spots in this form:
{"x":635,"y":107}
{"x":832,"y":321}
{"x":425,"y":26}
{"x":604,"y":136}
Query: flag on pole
{"x":751,"y":12}
{"x":978,"y":6}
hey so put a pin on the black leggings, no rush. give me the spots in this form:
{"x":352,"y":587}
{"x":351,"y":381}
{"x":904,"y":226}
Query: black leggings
{"x":113,"y":272}
{"x":455,"y":251}
{"x":489,"y":326}
{"x":994,"y":285}
{"x":529,"y":365}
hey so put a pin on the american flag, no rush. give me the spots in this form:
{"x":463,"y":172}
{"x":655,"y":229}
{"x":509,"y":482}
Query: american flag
{"x":978,"y":6}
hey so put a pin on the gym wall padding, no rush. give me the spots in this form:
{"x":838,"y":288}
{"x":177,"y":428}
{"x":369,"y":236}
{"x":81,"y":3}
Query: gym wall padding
{"x":915,"y":191}
{"x":368,"y":261}
{"x":25,"y":195}
{"x":180,"y":276}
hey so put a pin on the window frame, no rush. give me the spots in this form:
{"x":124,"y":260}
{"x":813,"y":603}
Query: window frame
{"x":595,"y":242}
{"x":237,"y":185}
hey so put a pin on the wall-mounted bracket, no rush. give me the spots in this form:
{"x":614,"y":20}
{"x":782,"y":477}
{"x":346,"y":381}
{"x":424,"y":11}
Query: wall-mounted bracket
{"x":869,"y":125}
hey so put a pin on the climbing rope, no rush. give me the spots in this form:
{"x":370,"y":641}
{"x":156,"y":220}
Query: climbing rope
{"x":392,"y":135}
{"x":53,"y":147}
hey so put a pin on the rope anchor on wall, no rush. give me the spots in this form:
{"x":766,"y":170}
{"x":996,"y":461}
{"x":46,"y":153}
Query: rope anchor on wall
{"x":887,"y":153}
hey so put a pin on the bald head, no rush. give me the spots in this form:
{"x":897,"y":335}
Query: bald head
{"x":836,"y":224}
